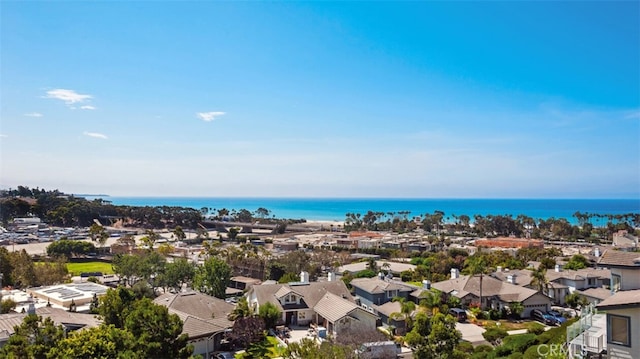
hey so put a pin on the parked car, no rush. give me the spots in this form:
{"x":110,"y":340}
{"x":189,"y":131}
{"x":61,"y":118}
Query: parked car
{"x":543,"y":317}
{"x":224,"y":355}
{"x":557,"y":317}
{"x":459,"y":314}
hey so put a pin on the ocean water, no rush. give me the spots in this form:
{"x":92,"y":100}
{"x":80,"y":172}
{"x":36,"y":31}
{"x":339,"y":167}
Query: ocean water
{"x":335,"y":209}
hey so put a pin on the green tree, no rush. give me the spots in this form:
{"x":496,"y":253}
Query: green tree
{"x":33,"y":338}
{"x":212,"y":277}
{"x":406,"y":308}
{"x":433,"y":337}
{"x":105,"y":341}
{"x":575,"y":301}
{"x":288,"y":278}
{"x":577,"y":262}
{"x":178,"y":273}
{"x":115,"y":305}
{"x":270,"y":314}
{"x":477,"y":265}
{"x":179,"y":233}
{"x":7,"y":305}
{"x":24,"y":272}
{"x":242,"y":310}
{"x":516,"y":309}
{"x":539,"y":280}
{"x":98,"y":233}
{"x":158,"y":333}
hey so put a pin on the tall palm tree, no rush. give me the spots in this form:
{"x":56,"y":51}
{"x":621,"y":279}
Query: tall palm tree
{"x":406,"y":308}
{"x":539,"y":280}
{"x":478,"y":266}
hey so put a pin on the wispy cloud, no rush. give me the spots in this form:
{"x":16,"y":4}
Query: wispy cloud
{"x":68,"y":96}
{"x":87,"y":107}
{"x":33,"y":114}
{"x":3,"y":135}
{"x":96,"y":135}
{"x":209,"y":116}
{"x":632,"y":115}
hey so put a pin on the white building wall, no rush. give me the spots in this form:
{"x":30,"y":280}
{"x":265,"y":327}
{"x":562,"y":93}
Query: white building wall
{"x":630,"y":278}
{"x":536,"y":301}
{"x":622,"y":352}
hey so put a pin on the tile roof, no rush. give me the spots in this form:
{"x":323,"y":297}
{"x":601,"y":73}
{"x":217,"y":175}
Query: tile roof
{"x":490,"y":287}
{"x":580,"y":274}
{"x":310,"y":292}
{"x":59,"y":316}
{"x":614,"y":258}
{"x":598,"y":293}
{"x":201,"y":314}
{"x":377,"y":286}
{"x":334,"y":308}
{"x":623,"y":298}
{"x":388,"y":308}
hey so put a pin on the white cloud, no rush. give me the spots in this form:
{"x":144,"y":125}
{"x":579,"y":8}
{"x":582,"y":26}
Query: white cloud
{"x":68,"y":96}
{"x":96,"y":135}
{"x":3,"y":135}
{"x":33,"y":114}
{"x":632,"y":115}
{"x":87,"y":107}
{"x":209,"y":116}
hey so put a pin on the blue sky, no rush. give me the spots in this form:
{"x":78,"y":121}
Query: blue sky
{"x":322,"y":99}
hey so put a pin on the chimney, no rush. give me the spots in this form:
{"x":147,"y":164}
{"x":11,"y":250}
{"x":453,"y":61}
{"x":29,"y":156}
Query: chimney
{"x":380,"y":275}
{"x":558,"y":268}
{"x":331,"y":277}
{"x":31,"y":310}
{"x":596,"y":252}
{"x":455,"y":273}
{"x":511,"y":278}
{"x":426,"y":284}
{"x":499,"y":269}
{"x":304,"y":277}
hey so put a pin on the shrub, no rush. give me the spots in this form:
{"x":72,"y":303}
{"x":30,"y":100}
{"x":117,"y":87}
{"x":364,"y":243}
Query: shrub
{"x":535,"y":328}
{"x":519,"y":343}
{"x":494,"y":334}
{"x":93,"y":279}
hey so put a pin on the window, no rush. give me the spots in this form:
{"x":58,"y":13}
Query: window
{"x":392,"y":293}
{"x":302,"y":315}
{"x":618,"y":330}
{"x":615,"y":282}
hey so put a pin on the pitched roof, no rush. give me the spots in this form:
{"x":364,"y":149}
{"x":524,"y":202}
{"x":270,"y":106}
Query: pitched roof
{"x":598,"y":293}
{"x":310,"y":292}
{"x":334,"y":308}
{"x":522,"y":276}
{"x":201,"y":314}
{"x":621,"y":299}
{"x":388,"y":308}
{"x":377,"y":286}
{"x":59,"y":316}
{"x":613,"y":258}
{"x":579,"y":274}
{"x":490,"y":287}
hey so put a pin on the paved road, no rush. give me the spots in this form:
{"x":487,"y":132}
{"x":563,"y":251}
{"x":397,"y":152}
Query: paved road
{"x":471,"y":332}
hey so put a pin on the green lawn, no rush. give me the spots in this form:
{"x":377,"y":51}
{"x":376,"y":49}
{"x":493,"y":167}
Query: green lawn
{"x":76,"y":268}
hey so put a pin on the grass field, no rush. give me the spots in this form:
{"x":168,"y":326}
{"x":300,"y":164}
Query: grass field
{"x":76,"y":268}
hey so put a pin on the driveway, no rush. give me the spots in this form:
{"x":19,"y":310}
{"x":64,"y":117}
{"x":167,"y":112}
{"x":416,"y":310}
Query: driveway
{"x":471,"y":333}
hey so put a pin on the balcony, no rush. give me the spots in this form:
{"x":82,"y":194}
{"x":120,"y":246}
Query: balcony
{"x":588,"y":335}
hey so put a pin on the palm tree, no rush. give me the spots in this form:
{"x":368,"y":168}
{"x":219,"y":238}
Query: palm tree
{"x":406,"y":308}
{"x":478,"y":265}
{"x":431,"y":300}
{"x":539,"y":280}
